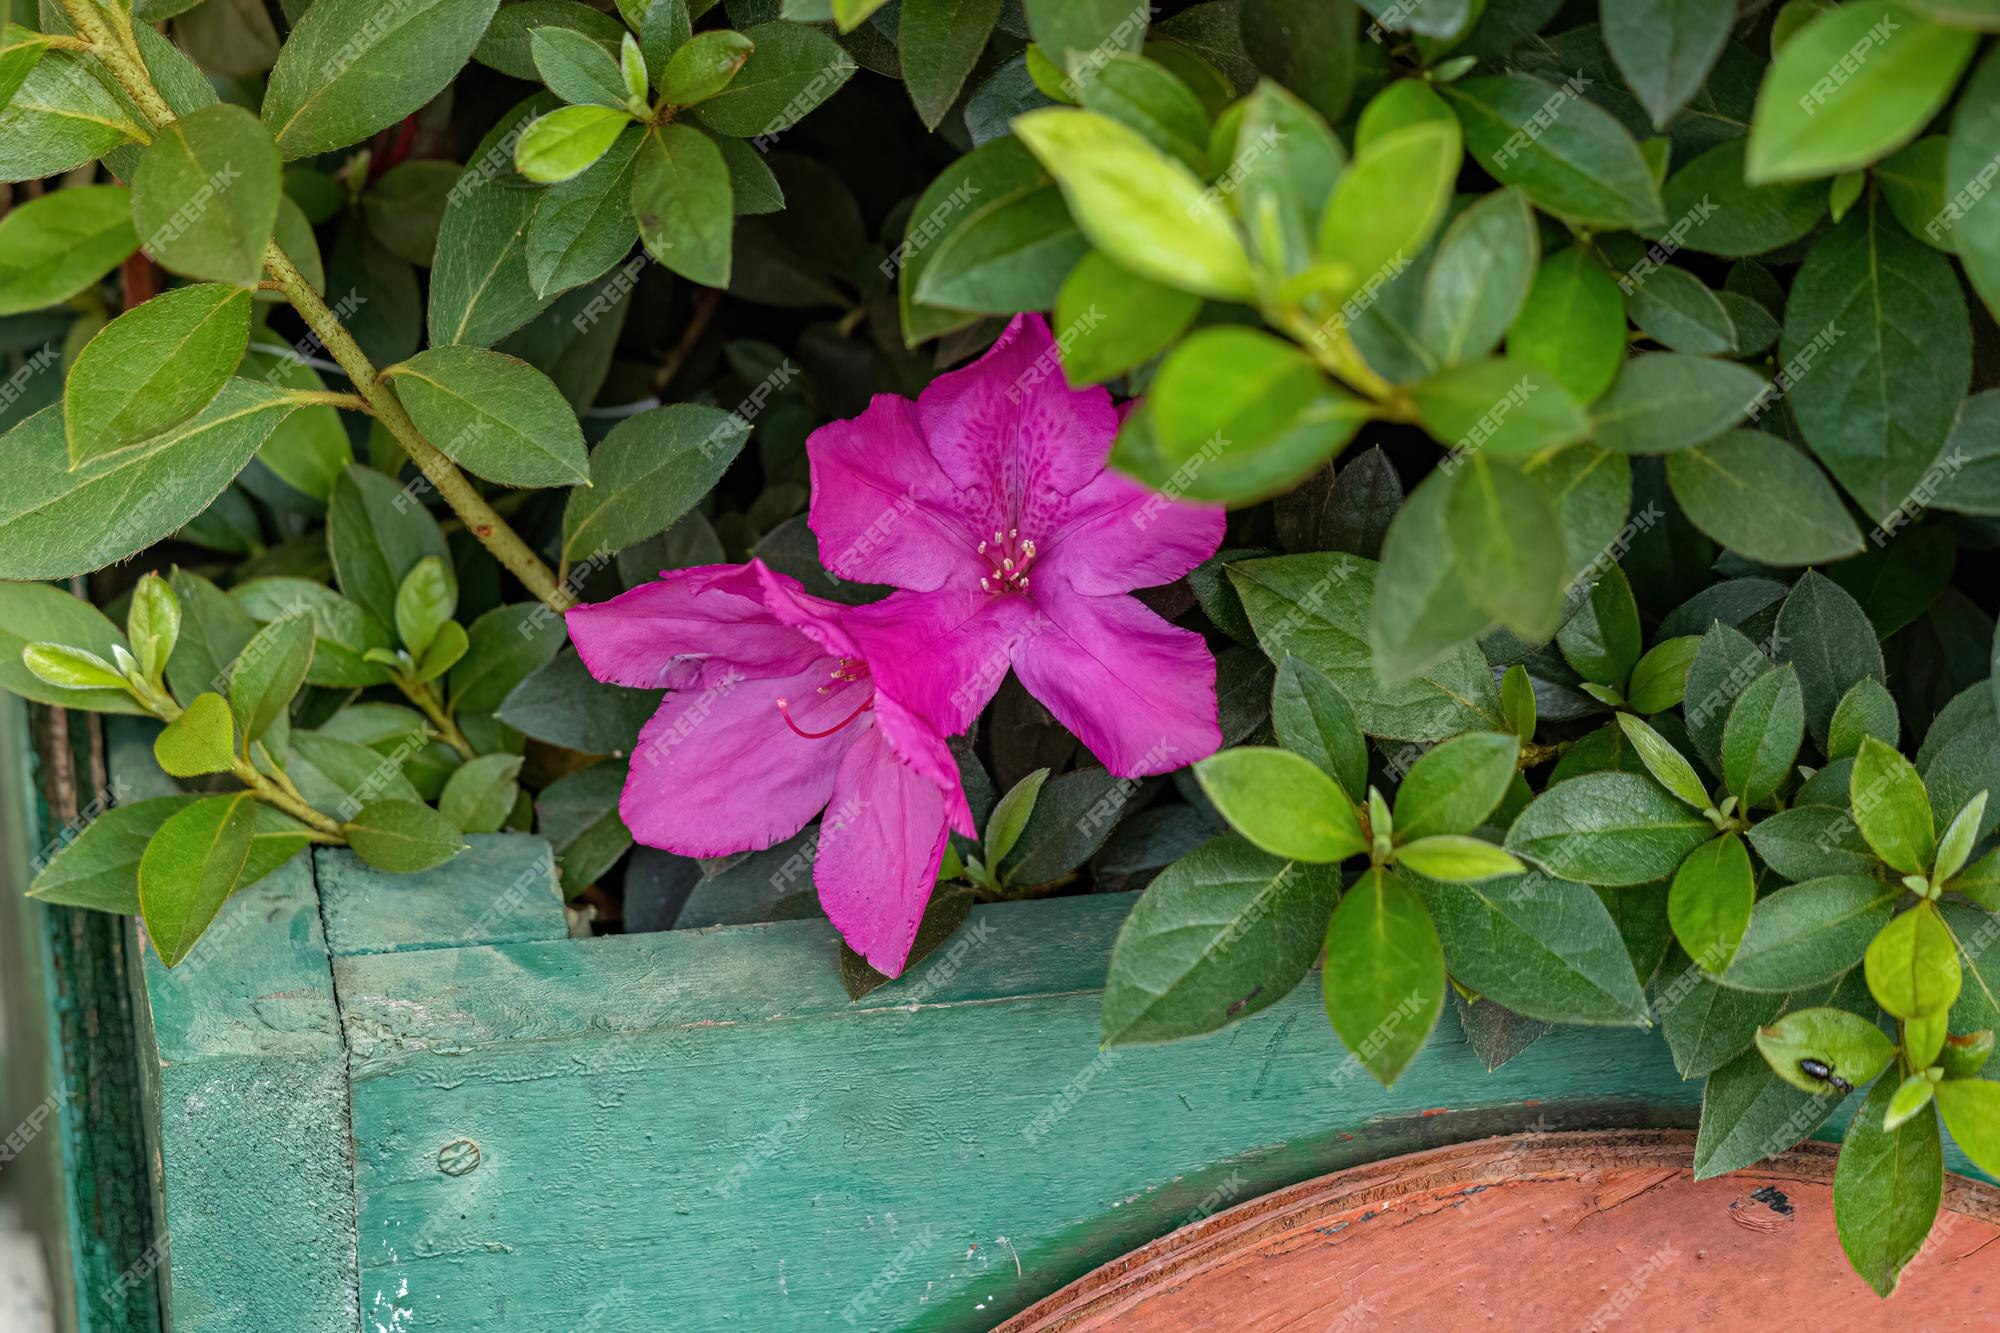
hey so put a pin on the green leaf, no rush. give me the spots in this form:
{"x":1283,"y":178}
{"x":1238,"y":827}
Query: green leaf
{"x":71,"y":668}
{"x":1665,"y":48}
{"x":190,"y":868}
{"x":20,"y":50}
{"x":1572,"y":158}
{"x":508,"y":644}
{"x":1285,"y":163}
{"x":579,"y":816}
{"x":577,"y":68}
{"x":1543,"y":947}
{"x":1500,"y":519}
{"x":1607,"y":829}
{"x":1913,"y":1095}
{"x":1602,"y":640}
{"x":682,"y":199}
{"x":650,"y":470}
{"x":350,"y":67}
{"x":56,"y":522}
{"x":424,"y":602}
{"x":1283,"y":804}
{"x":705,"y":67}
{"x":1892,"y":808}
{"x":1008,"y":258}
{"x":1141,"y":208}
{"x":1968,"y":222}
{"x":567,"y":141}
{"x":1876,"y":400}
{"x":480,"y":286}
{"x":1811,"y":841}
{"x":1310,"y":49}
{"x":1710,"y":902}
{"x":1659,"y":679}
{"x":1223,"y":932}
{"x":1808,"y":933}
{"x":1517,"y":701}
{"x":1312,"y":605}
{"x":1666,"y":401}
{"x":201,"y":740}
{"x":1420,"y":614}
{"x":1854,"y":85}
{"x":1971,"y":1108}
{"x":53,"y":247}
{"x":1763,"y":499}
{"x":1955,"y":846}
{"x":1867,"y":709}
{"x":1571,"y":327}
{"x":154,"y":623}
{"x":1851,"y":1047}
{"x":1454,"y":787}
{"x":1748,"y":1113}
{"x":339,"y":776}
{"x":343,"y":633}
{"x":496,"y":416}
{"x":443,"y":653}
{"x":481,"y":792}
{"x":1313,"y":718}
{"x":154,"y":367}
{"x":205,"y":195}
{"x":1887,"y":1183}
{"x":793,"y":70}
{"x":1255,"y":397}
{"x":1667,"y":766}
{"x":1912,"y":965}
{"x":99,"y":868}
{"x":37,"y":613}
{"x":1708,"y":1025}
{"x":1153,"y":101}
{"x":1457,"y":858}
{"x":507,"y":44}
{"x":1824,"y":632}
{"x":1500,"y":408}
{"x":940,"y":42}
{"x":1761,"y":736}
{"x":1480,"y":278}
{"x":403,"y":836}
{"x":61,"y":117}
{"x":376,"y":532}
{"x":585,"y":224}
{"x":268,"y":673}
{"x":1385,"y":986}
{"x":1136,"y":319}
{"x":1010,"y":816}
{"x":1387,"y":204}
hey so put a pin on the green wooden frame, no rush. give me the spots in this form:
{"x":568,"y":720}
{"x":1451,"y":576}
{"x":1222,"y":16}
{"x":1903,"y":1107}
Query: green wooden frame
{"x":411,"y":1102}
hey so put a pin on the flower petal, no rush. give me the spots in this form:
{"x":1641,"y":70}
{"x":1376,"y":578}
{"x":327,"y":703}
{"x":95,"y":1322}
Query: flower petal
{"x":1012,"y":436}
{"x":877,"y":502}
{"x":941,"y":654}
{"x":1138,"y":691}
{"x":1117,"y":535}
{"x":686,"y":632}
{"x":717,"y":770}
{"x":917,"y":744}
{"x":879,"y":851}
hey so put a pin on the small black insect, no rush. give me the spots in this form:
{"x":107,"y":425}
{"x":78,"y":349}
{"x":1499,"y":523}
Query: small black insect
{"x":1822,"y":1071}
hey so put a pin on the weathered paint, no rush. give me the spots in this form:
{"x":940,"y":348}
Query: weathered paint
{"x":697,"y":1129}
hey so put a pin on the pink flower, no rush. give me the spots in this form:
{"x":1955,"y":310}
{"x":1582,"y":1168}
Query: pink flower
{"x":772,"y":712}
{"x":989,"y":500}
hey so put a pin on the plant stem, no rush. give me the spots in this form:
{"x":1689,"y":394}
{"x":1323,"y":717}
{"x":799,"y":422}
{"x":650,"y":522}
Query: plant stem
{"x":353,"y":402}
{"x":419,"y":693}
{"x":320,"y":828}
{"x":118,"y":56}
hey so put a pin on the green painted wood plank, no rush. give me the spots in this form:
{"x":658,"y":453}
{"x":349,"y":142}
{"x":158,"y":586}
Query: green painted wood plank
{"x":503,"y":889}
{"x":733,"y":1144}
{"x":85,"y":1182}
{"x":250,"y":1117}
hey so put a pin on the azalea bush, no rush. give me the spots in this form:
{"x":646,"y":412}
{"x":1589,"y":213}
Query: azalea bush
{"x":1489,"y":496}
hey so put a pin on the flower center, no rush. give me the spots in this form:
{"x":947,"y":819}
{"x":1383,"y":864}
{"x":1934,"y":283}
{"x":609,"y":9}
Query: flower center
{"x":849,"y":671}
{"x":1011,"y":556}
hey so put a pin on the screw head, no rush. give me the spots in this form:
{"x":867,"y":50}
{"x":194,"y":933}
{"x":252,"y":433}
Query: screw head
{"x":458,"y":1157}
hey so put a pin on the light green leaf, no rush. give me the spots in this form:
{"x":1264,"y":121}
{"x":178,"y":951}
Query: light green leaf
{"x":1454,"y":787}
{"x":1456,"y":858}
{"x":201,"y":740}
{"x":1387,"y":204}
{"x":1851,"y":1047}
{"x":1912,"y":965}
{"x":1710,"y":902}
{"x":1891,"y":807}
{"x":205,"y":195}
{"x":190,"y":868}
{"x":1385,"y":983}
{"x":567,"y":140}
{"x":1667,"y":765}
{"x":1761,"y":736}
{"x":1971,"y":1108}
{"x":1010,"y":816}
{"x":53,"y":247}
{"x":1572,"y":326}
{"x":1283,"y":804}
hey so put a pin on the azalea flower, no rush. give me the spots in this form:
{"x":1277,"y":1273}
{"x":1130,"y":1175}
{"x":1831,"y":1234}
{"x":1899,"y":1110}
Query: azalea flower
{"x":988,"y":499}
{"x":772,"y":713}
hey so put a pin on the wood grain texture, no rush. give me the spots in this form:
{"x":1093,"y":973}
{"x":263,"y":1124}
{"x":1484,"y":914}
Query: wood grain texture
{"x":697,"y":1130}
{"x":502,"y":890}
{"x":1571,"y":1230}
{"x":253,"y":1155}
